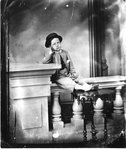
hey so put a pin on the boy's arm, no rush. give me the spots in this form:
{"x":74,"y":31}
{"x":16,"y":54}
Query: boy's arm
{"x":47,"y":59}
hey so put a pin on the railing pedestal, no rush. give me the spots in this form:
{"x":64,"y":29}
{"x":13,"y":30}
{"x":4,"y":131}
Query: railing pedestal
{"x":29,"y":89}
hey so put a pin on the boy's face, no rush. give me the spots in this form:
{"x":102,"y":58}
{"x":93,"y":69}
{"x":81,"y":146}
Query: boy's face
{"x":55,"y":44}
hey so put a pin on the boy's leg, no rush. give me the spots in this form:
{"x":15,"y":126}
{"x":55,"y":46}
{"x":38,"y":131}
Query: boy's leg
{"x":66,"y":83}
{"x":85,"y":86}
{"x":69,"y":84}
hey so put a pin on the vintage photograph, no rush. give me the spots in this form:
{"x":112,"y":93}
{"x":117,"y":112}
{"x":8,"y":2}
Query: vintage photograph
{"x":63,"y":73}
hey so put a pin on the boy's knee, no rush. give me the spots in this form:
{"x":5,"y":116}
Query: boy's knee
{"x":70,"y":84}
{"x":67,"y":83}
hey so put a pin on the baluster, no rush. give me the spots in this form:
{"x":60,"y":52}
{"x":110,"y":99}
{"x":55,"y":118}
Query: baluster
{"x":85,"y":121}
{"x":105,"y":127}
{"x":77,"y":107}
{"x":98,"y":106}
{"x":56,"y":111}
{"x":93,"y":131}
{"x":85,"y":130}
{"x":118,"y":103}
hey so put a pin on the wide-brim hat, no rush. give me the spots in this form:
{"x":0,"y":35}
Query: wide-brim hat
{"x":50,"y":37}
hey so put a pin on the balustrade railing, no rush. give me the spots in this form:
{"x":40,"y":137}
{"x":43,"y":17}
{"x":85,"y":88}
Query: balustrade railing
{"x":115,"y":83}
{"x":108,"y":95}
{"x":109,"y":90}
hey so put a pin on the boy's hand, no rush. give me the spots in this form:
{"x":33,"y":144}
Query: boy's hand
{"x":50,"y":52}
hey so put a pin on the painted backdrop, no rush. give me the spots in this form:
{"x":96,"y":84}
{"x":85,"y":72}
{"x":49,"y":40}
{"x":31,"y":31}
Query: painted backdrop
{"x":31,"y":21}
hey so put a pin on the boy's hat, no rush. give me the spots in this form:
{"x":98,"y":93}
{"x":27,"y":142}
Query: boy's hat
{"x":50,"y":37}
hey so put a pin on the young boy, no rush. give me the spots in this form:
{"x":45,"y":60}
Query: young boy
{"x":66,"y":77}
